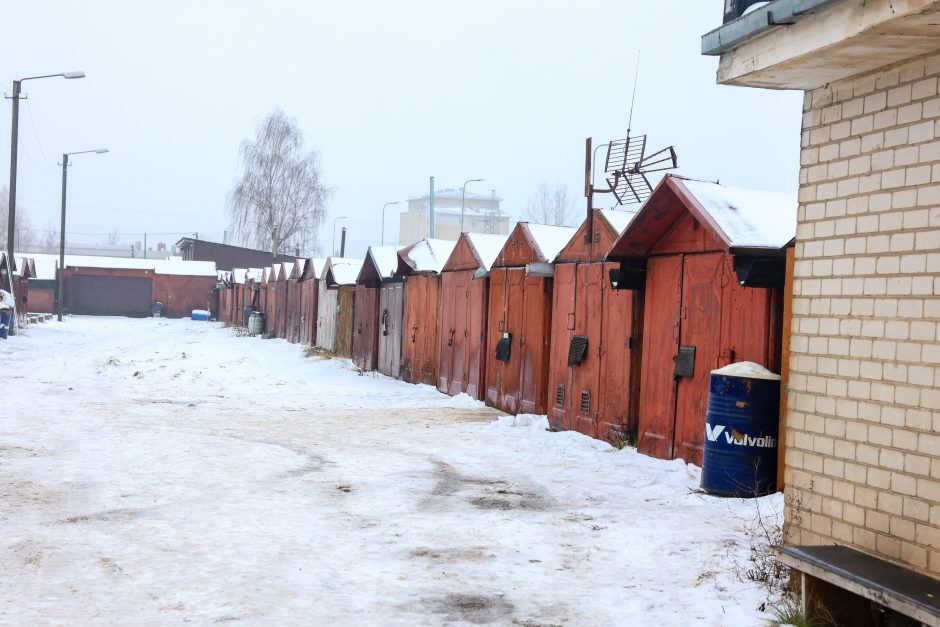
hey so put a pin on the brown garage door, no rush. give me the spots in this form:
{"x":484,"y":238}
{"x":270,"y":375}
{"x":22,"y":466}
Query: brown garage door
{"x":110,"y":296}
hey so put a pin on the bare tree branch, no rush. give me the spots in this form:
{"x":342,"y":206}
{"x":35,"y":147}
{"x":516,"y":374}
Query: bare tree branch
{"x":280,"y":198}
{"x":550,"y":205}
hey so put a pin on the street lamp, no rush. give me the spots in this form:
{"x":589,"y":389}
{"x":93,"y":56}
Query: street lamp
{"x":65,"y":169}
{"x":14,"y":141}
{"x":333,"y":248}
{"x":463,"y":198}
{"x":383,"y":219}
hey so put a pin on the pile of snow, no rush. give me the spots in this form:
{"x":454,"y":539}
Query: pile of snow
{"x":747,"y":370}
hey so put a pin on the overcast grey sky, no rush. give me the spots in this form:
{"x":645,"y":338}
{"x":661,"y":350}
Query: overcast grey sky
{"x":390,"y":93}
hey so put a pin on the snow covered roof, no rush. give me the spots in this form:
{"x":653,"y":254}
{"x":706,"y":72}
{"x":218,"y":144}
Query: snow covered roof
{"x":487,"y":246}
{"x":46,"y":265}
{"x":428,"y":255}
{"x":385,"y":259}
{"x":748,"y":218}
{"x":319,"y":263}
{"x":550,"y":239}
{"x":344,"y":270}
{"x":456,"y":194}
{"x":618,"y":219}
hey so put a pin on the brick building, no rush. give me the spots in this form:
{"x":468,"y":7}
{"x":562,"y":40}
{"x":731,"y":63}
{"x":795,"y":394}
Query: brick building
{"x":863,"y":425}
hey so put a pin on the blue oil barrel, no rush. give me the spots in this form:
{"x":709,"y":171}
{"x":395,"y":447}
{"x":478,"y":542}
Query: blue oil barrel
{"x":741,"y":431}
{"x":5,"y":318}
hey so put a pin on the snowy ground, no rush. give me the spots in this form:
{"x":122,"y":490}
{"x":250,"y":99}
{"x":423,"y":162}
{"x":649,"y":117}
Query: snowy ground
{"x":157,"y":472}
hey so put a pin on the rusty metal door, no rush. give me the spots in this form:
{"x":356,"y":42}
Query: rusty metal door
{"x":280,"y":306}
{"x":700,"y":316}
{"x":446,"y":342}
{"x":391,"y":310}
{"x":535,"y":341}
{"x":365,"y":340}
{"x":474,"y":345}
{"x":326,"y":318}
{"x":620,"y":337}
{"x":460,"y":335}
{"x":563,"y":317}
{"x":660,"y":344}
{"x":308,"y":310}
{"x":419,"y":352}
{"x":345,"y":316}
{"x":583,"y":397}
{"x":496,"y":322}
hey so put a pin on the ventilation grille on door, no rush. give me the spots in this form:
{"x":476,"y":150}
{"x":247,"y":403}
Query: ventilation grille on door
{"x":577,"y":350}
{"x":560,"y":395}
{"x":585,"y":402}
{"x":685,"y":362}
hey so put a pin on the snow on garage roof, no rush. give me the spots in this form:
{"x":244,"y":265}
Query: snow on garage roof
{"x":429,"y":255}
{"x":749,"y":218}
{"x":385,"y":259}
{"x":344,"y":271}
{"x":46,"y":265}
{"x":487,"y":246}
{"x":617,"y":218}
{"x":550,"y":239}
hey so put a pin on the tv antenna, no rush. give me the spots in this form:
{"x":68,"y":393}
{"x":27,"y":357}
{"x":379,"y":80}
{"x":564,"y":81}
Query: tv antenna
{"x":627,"y":163}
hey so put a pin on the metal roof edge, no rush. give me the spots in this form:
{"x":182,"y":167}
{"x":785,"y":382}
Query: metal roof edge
{"x":750,"y":25}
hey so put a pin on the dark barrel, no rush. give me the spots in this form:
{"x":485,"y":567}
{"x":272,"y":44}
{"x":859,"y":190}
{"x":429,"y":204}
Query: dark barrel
{"x":741,"y":431}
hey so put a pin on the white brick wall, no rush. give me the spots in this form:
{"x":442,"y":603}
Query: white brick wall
{"x":863,"y":432}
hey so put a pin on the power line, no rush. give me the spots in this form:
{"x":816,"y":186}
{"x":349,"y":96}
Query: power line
{"x":29,"y":110}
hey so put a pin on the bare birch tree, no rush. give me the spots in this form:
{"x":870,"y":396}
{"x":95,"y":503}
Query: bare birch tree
{"x":280,"y":198}
{"x":23,"y":237}
{"x":550,"y":205}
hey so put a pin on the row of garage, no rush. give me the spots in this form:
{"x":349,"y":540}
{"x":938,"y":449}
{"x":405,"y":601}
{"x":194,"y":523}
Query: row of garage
{"x":610,"y":329}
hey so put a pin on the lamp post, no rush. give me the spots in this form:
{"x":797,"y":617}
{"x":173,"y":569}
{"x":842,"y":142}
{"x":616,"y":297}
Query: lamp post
{"x":463,"y":198}
{"x":14,"y":142}
{"x":333,"y":247}
{"x":61,"y":281}
{"x":383,"y":219}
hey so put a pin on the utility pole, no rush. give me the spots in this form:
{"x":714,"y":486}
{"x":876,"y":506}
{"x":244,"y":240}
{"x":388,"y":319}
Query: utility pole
{"x":342,"y":242}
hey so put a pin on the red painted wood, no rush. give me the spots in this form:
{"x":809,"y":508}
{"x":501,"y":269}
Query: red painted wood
{"x":450,"y":294}
{"x":621,"y":357}
{"x":701,"y":316}
{"x":419,"y":351}
{"x":660,"y":343}
{"x":581,"y":249}
{"x":563,"y":326}
{"x":535,"y":339}
{"x":309,"y":289}
{"x":687,"y":235}
{"x":476,"y":339}
{"x":366,"y":328}
{"x":496,"y":321}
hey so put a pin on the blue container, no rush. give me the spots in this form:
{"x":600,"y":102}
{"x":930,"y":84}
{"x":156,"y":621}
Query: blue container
{"x":5,"y":318}
{"x":200,"y":314}
{"x":741,"y":431}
